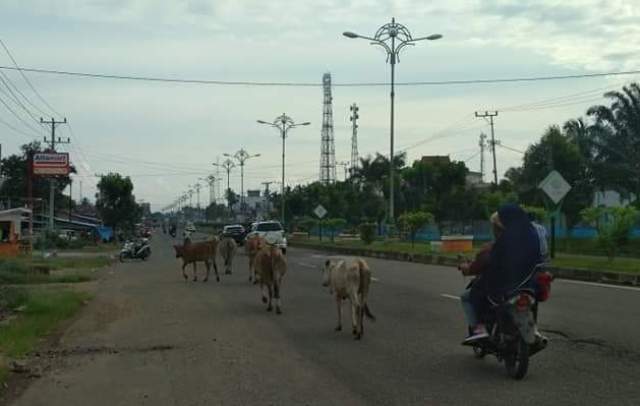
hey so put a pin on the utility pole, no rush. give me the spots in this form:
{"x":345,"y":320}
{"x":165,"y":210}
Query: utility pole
{"x":242,"y":156}
{"x":197,"y":188}
{"x":266,"y":195}
{"x":492,"y":142}
{"x":354,"y":138}
{"x":52,"y":181}
{"x":345,"y":166}
{"x":227,"y":165}
{"x":482,"y":144}
{"x":283,"y":123}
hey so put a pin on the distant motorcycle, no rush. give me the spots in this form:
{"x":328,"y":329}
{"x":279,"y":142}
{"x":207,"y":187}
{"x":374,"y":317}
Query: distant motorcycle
{"x":513,"y":336}
{"x":172,"y":231}
{"x":135,"y":250}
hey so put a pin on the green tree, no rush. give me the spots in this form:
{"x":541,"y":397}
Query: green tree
{"x":615,"y":137}
{"x":116,"y":203}
{"x":614,"y":225}
{"x":554,"y":151}
{"x":414,"y":221}
{"x":335,"y":224}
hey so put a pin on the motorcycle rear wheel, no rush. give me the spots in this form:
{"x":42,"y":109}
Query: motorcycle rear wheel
{"x":517,"y":361}
{"x":479,"y":352}
{"x":122,"y":256}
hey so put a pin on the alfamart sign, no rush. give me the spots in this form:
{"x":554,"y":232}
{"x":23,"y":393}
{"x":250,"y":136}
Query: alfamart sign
{"x":51,"y":163}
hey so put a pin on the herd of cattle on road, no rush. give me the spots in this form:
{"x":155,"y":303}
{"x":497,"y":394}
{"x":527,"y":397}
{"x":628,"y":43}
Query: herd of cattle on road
{"x":346,"y":279}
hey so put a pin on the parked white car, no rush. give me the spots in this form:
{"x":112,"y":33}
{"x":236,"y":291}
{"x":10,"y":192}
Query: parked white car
{"x":272,"y":232}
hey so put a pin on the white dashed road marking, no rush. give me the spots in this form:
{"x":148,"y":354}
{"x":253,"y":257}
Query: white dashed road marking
{"x":450,"y":296}
{"x":600,"y":285}
{"x":373,"y":278}
{"x":306,"y":265}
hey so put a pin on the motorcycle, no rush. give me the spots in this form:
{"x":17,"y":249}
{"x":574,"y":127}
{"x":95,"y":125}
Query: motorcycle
{"x":513,"y":334}
{"x":135,"y":250}
{"x":172,"y":231}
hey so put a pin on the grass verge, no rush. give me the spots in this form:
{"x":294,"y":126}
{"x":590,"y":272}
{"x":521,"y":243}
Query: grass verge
{"x":41,"y":312}
{"x":596,"y":263}
{"x":24,"y":270}
{"x":586,"y":262}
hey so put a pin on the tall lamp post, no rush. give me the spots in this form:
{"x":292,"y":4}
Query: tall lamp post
{"x":227,"y":165}
{"x":392,"y":37}
{"x":242,"y":156}
{"x":283,"y":123}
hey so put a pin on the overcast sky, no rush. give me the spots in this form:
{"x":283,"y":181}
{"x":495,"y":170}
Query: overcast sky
{"x":166,"y":135}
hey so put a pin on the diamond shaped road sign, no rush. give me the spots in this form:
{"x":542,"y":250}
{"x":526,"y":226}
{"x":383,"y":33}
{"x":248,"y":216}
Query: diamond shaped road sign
{"x":320,"y":211}
{"x":555,"y":186}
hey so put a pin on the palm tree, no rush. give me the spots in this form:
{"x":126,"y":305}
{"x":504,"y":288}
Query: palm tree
{"x":616,"y":137}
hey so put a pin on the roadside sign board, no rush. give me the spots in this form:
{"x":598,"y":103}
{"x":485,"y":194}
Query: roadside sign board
{"x":320,"y":211}
{"x":51,"y":163}
{"x":555,"y":186}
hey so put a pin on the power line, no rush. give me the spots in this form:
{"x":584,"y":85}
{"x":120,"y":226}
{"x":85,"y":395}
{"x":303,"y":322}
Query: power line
{"x":510,"y":149}
{"x":12,"y":96}
{"x":17,"y":67}
{"x":314,"y":84}
{"x":17,"y":130}
{"x":17,"y":116}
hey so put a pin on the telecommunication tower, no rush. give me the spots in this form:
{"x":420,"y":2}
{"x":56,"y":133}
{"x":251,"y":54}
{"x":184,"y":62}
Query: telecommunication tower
{"x":354,"y":138}
{"x":327,"y":152}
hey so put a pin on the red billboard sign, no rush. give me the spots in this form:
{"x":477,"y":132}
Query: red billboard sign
{"x":51,"y":163}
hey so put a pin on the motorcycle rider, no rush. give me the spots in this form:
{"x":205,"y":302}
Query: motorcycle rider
{"x":501,"y":267}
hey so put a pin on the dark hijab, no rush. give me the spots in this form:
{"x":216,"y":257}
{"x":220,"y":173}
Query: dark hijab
{"x":514,"y":254}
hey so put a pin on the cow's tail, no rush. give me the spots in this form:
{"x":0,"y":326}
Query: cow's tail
{"x":363,"y":287}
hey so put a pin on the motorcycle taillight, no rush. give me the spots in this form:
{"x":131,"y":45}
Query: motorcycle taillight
{"x":523,"y":303}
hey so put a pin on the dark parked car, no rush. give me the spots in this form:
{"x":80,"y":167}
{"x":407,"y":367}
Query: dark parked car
{"x":235,"y":231}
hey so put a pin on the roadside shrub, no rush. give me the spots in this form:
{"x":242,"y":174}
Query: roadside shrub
{"x":11,"y":297}
{"x":367,"y":232}
{"x":614,"y":225}
{"x":335,"y":224}
{"x":414,"y":221}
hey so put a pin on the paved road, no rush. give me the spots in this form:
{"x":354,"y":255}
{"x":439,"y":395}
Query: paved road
{"x":150,"y":338}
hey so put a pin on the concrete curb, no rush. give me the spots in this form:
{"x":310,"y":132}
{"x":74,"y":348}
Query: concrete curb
{"x":585,"y":275}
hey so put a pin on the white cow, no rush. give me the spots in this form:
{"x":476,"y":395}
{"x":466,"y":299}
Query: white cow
{"x":228,"y":250}
{"x":349,"y":279}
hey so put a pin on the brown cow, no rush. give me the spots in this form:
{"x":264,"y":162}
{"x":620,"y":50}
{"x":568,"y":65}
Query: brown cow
{"x":270,"y":268}
{"x":192,"y":252}
{"x":252,"y":245}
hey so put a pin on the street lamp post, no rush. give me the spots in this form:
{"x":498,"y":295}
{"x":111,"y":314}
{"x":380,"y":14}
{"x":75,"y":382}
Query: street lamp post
{"x":393,"y":37}
{"x":227,"y":165}
{"x":283,"y":123}
{"x":242,"y":156}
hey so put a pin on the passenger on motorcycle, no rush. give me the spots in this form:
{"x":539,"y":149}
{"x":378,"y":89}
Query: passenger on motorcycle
{"x":500,"y":267}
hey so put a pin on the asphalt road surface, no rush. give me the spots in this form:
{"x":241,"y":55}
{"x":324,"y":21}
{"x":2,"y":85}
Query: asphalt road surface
{"x":150,"y":338}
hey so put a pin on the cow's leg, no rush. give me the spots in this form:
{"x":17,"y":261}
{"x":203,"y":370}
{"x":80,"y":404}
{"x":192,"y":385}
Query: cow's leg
{"x":207,"y":265}
{"x":276,"y":295}
{"x":215,"y":268}
{"x":339,"y":306}
{"x":227,"y":266}
{"x":356,"y":310}
{"x":270,"y":290}
{"x":252,"y":270}
{"x":184,"y":274}
{"x":361,"y":317}
{"x":263,"y":288}
{"x":354,"y":317}
{"x":195,"y":271}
